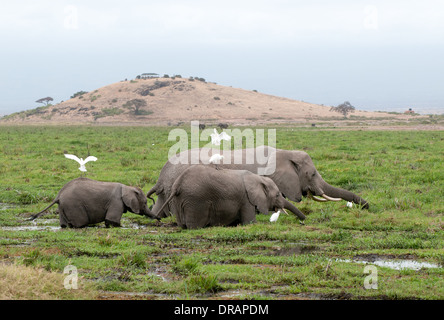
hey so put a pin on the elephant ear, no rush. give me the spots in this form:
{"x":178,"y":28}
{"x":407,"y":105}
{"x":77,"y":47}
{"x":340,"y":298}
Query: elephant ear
{"x":286,"y":177}
{"x":257,"y":192}
{"x":129,"y":198}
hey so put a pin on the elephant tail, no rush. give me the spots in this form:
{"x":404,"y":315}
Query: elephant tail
{"x":156,"y":189}
{"x":35,"y":216}
{"x":175,"y":190}
{"x":166,"y":202}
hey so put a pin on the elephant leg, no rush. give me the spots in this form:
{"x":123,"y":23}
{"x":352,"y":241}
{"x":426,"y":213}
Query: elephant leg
{"x":64,"y":223}
{"x":248,"y":214}
{"x":109,"y":223}
{"x":114,"y":214}
{"x":198,"y":220}
{"x":196,"y":217}
{"x":76,"y":218}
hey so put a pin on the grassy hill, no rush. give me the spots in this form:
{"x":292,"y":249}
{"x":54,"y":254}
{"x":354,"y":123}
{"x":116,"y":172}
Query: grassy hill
{"x":169,"y":101}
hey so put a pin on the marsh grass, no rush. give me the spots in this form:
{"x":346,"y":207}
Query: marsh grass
{"x":401,"y":174}
{"x":19,"y":282}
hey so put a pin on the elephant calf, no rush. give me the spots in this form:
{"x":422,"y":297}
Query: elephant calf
{"x":84,"y":201}
{"x":205,"y":196}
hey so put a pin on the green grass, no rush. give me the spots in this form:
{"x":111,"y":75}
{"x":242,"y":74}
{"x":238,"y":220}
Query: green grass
{"x":400,"y":173}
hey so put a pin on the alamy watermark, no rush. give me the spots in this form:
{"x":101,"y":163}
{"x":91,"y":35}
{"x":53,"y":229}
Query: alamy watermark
{"x":371,"y":20}
{"x":371,"y":281}
{"x":70,"y":281}
{"x":71,"y":21}
{"x":242,"y":148}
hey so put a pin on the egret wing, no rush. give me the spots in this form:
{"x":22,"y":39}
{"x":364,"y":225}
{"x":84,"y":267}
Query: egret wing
{"x":224,"y":136}
{"x":90,"y":158}
{"x":215,"y":139}
{"x":73,"y":157}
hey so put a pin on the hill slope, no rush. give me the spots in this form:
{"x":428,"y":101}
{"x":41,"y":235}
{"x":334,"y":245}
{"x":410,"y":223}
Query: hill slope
{"x":170,"y":101}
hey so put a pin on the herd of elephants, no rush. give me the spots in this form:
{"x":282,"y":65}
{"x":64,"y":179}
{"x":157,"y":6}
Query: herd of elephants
{"x":200,"y":194}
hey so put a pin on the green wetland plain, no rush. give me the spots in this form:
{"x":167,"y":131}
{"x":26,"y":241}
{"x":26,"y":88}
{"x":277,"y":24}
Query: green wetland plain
{"x":400,"y":173}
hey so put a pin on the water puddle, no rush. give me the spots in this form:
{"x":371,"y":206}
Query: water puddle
{"x":294,"y":249}
{"x":395,"y":264}
{"x":43,"y":225}
{"x":133,"y":226}
{"x":31,"y":228}
{"x":126,"y":295}
{"x":160,"y":273}
{"x":232,"y":294}
{"x":5,"y":206}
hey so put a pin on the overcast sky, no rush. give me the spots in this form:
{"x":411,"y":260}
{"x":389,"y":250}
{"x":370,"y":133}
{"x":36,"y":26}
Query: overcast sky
{"x":379,"y":55}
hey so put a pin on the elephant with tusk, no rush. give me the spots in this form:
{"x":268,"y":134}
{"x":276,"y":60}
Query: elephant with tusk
{"x":204,"y":196}
{"x":324,"y":198}
{"x":293,"y":172}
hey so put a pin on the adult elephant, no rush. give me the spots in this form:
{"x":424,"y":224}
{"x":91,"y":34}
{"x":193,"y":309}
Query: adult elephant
{"x":204,"y":196}
{"x":293,"y":172}
{"x":83,"y":201}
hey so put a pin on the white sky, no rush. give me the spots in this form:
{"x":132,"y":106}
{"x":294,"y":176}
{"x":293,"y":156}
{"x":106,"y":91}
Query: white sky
{"x":379,"y":55}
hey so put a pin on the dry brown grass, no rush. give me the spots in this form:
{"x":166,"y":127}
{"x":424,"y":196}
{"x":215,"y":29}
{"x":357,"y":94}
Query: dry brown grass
{"x":181,"y":101}
{"x":19,"y":282}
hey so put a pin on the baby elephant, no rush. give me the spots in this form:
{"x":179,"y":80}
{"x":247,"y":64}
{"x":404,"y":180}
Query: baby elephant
{"x":84,"y":201}
{"x":205,"y":196}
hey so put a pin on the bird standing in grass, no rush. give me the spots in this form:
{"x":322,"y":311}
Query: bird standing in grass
{"x":81,"y":161}
{"x":275,"y":215}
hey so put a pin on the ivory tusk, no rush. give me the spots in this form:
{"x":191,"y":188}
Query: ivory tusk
{"x":318,"y":199}
{"x":330,"y":198}
{"x":284,"y":211}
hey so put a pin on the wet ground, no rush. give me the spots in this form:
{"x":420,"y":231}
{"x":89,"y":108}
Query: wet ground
{"x":33,"y":226}
{"x":273,"y":247}
{"x":4,"y":206}
{"x":397,"y":263}
{"x":407,"y":262}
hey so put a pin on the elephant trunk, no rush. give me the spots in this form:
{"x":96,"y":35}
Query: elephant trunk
{"x":288,"y":205}
{"x":334,"y":194}
{"x":148,"y":213}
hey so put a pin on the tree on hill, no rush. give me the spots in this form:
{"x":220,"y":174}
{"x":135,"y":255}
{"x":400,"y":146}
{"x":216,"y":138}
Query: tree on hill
{"x":344,"y":108}
{"x":45,"y":100}
{"x":136,"y":104}
{"x":78,"y":94}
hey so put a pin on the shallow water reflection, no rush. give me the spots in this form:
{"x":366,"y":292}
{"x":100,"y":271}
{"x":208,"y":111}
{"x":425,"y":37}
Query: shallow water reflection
{"x":31,"y":228}
{"x":4,"y":206}
{"x":396,"y":264}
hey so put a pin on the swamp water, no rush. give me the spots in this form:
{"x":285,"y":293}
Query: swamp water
{"x":35,"y":227}
{"x":395,"y":264}
{"x":4,"y":206}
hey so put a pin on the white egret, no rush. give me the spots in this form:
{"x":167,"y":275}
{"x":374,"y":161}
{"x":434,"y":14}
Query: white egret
{"x":349,"y":204}
{"x":216,"y":137}
{"x":215,"y":158}
{"x":275,"y":215}
{"x":81,"y":161}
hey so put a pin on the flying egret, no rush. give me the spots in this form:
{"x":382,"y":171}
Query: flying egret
{"x":216,"y":137}
{"x":275,"y":215}
{"x":81,"y":161}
